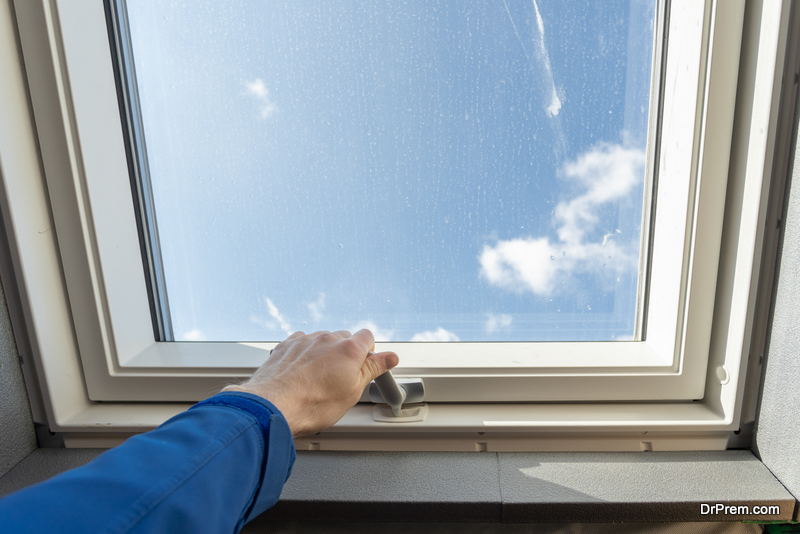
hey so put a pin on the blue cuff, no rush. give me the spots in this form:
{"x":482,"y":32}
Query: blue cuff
{"x":279,"y":454}
{"x":258,"y":407}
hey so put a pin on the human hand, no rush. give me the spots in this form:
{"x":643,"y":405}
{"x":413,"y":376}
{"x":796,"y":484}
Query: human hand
{"x":313,"y":379}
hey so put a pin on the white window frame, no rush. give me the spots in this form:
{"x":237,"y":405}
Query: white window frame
{"x":87,"y":310}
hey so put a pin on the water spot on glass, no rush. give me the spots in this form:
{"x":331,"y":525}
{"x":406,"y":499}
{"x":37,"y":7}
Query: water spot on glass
{"x":552,"y":257}
{"x":564,"y":253}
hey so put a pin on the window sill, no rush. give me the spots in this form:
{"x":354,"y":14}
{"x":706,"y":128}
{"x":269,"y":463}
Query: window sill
{"x":498,"y":487}
{"x":701,"y":418}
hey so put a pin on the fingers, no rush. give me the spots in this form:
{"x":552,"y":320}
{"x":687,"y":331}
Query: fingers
{"x":364,"y":337}
{"x":292,"y":337}
{"x":344,"y":334}
{"x":391,"y":360}
{"x":378,"y":363}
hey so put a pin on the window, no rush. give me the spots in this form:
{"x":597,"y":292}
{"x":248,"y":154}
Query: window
{"x":703,"y":258}
{"x":411,"y":168}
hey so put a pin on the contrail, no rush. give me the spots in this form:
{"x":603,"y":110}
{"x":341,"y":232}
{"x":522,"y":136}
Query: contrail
{"x":552,"y":104}
{"x":517,"y":33}
{"x":555,"y":102}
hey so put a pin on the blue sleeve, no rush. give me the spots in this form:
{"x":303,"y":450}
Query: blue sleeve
{"x":209,"y":469}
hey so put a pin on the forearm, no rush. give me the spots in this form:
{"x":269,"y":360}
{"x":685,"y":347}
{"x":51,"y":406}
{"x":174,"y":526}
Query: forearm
{"x":209,"y":469}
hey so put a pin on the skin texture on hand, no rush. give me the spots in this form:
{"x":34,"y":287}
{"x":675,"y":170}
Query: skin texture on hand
{"x":313,"y":379}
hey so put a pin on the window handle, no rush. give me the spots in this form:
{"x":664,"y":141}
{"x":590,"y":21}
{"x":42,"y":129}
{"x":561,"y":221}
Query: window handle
{"x":385,"y":389}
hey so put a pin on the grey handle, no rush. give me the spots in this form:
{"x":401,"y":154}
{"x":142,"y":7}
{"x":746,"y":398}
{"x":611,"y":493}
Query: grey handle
{"x":391,"y":392}
{"x":385,"y":389}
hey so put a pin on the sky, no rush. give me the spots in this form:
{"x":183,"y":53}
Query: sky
{"x":431,"y":171}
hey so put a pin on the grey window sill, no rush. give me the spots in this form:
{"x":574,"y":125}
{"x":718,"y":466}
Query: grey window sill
{"x":498,"y":487}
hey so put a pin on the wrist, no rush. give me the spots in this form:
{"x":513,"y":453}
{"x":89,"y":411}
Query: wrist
{"x":292,"y":419}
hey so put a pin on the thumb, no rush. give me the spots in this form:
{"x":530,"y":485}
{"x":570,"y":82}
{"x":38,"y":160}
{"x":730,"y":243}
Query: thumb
{"x":378,"y":363}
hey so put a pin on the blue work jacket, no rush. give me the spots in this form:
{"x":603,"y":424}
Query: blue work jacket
{"x":209,"y":469}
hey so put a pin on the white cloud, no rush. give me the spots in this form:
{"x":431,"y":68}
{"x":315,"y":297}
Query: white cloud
{"x":608,"y":172}
{"x":520,"y":264}
{"x":195,"y":334}
{"x":535,"y":264}
{"x":440,"y":334}
{"x":275,"y":314}
{"x":497,"y":322}
{"x":377,"y":332}
{"x":259,"y":90}
{"x":317,"y":308}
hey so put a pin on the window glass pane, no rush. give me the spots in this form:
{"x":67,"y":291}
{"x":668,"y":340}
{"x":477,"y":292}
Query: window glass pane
{"x":430,"y":170}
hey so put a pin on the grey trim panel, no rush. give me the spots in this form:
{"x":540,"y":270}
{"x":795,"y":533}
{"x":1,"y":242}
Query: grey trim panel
{"x":533,"y":487}
{"x":17,"y":438}
{"x":447,"y":487}
{"x":42,"y":464}
{"x":637,"y":487}
{"x":392,"y":486}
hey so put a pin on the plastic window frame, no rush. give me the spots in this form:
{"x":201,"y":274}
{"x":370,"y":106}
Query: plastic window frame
{"x":87,"y":330}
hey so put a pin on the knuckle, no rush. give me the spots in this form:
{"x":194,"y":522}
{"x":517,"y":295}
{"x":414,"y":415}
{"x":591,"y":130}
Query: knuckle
{"x":352,"y":347}
{"x":351,"y":344}
{"x":326,"y":337}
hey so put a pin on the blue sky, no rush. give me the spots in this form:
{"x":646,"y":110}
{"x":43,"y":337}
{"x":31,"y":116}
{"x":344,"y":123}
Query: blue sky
{"x":430,"y":171}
